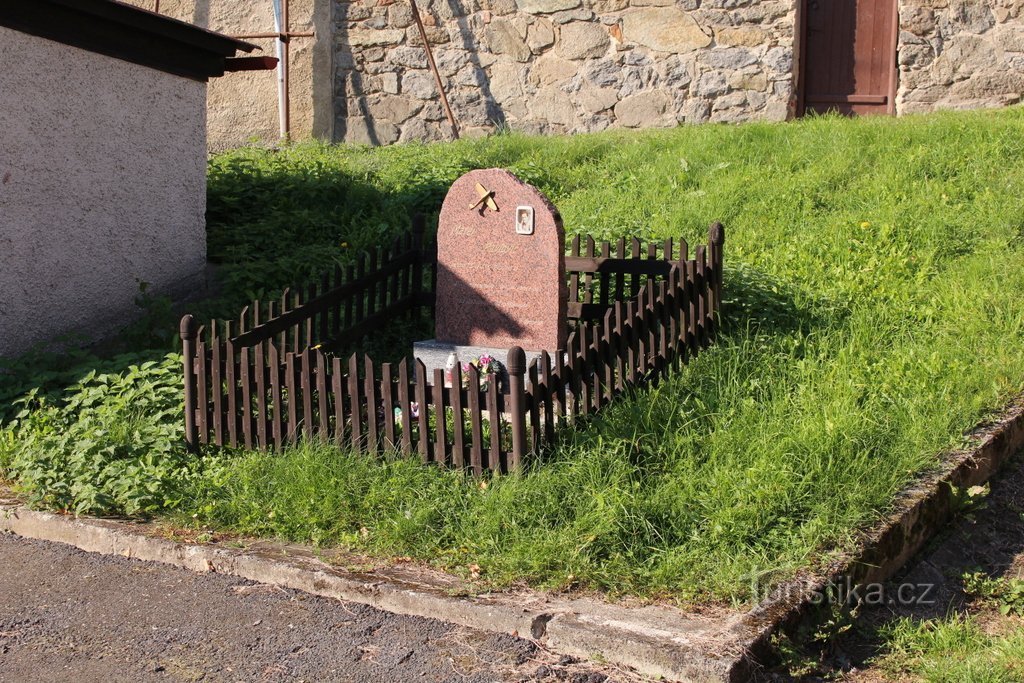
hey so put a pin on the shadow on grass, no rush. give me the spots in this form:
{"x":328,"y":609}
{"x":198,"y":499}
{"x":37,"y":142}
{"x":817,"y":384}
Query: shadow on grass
{"x":269,"y":227}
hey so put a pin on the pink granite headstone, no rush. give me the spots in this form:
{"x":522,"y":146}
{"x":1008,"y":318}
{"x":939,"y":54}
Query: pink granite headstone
{"x":496,"y":286}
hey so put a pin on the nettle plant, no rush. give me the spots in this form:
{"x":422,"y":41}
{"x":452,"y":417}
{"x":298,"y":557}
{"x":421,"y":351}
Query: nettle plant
{"x":109,"y":444}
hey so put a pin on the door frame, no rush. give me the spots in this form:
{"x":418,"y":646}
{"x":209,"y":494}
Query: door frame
{"x":800,"y":57}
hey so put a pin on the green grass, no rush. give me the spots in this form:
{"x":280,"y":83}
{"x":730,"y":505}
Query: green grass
{"x":952,"y":650}
{"x":873,"y":271}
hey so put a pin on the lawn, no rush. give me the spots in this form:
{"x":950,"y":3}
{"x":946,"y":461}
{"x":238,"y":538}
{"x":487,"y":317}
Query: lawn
{"x":872,"y":316}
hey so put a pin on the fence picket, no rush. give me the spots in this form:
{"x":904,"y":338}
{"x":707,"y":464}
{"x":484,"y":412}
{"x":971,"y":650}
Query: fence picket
{"x":322,"y":397}
{"x":495,"y":457}
{"x":355,"y":403}
{"x":217,"y":387}
{"x":274,"y":363}
{"x":533,"y":401}
{"x":620,"y":277}
{"x":476,"y":429}
{"x":440,"y":419}
{"x":574,"y":277}
{"x":202,"y":395}
{"x":231,"y":383}
{"x":606,"y":356}
{"x":338,"y":391}
{"x":291,"y":387}
{"x":405,"y":406}
{"x":588,"y":277}
{"x":246,"y":377}
{"x":423,"y":437}
{"x":458,"y":425}
{"x":547,"y":396}
{"x":387,"y":385}
{"x":372,"y":408}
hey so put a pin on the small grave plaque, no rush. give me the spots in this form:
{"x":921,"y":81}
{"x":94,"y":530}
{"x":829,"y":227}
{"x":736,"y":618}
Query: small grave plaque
{"x":501,"y":265}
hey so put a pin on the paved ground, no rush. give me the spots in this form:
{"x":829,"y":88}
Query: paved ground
{"x":66,"y":615}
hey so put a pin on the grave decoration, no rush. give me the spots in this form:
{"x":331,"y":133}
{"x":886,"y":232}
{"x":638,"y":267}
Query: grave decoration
{"x":529,"y":339}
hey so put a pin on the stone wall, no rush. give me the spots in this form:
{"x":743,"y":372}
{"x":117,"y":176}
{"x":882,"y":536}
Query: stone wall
{"x":559,"y":66}
{"x":960,"y":54}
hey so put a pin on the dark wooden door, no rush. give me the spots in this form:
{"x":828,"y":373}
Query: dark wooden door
{"x":849,"y":56}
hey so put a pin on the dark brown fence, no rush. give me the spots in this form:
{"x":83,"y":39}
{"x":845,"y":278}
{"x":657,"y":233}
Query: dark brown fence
{"x":271,"y":382}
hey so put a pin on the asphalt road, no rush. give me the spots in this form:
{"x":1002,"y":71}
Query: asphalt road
{"x":67,"y":615}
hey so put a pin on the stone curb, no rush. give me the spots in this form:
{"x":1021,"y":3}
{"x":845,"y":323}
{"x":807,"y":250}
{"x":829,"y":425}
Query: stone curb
{"x":654,"y":640}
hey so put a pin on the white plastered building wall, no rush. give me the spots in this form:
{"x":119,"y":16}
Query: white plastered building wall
{"x":102,"y":186}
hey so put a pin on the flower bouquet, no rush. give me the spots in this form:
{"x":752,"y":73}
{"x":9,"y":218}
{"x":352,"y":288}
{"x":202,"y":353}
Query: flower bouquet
{"x":489,"y":368}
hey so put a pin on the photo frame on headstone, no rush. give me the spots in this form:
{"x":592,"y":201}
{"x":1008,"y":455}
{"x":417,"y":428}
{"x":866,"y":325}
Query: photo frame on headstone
{"x":524,"y":220}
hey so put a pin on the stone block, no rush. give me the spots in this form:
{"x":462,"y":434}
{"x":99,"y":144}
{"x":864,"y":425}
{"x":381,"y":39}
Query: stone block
{"x":644,"y":109}
{"x":551,"y":69}
{"x":664,"y":29}
{"x":369,"y":37}
{"x":360,"y":131}
{"x":581,"y":40}
{"x":546,"y":6}
{"x":593,"y":99}
{"x":502,"y":38}
{"x":540,"y":35}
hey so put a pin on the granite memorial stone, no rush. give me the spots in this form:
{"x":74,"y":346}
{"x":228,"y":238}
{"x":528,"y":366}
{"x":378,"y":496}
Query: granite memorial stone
{"x":501,"y":265}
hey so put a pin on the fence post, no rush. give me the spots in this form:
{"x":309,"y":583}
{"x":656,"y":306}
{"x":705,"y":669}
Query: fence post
{"x":188,"y":331}
{"x":716,"y":240}
{"x":419,"y":225}
{"x":516,"y":367}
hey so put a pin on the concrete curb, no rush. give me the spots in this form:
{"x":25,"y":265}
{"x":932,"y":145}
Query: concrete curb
{"x":655,"y":640}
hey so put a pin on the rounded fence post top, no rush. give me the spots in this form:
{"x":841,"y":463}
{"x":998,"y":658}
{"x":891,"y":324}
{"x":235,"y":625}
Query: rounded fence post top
{"x":716,"y":233}
{"x":516,"y":361}
{"x":188,"y":327}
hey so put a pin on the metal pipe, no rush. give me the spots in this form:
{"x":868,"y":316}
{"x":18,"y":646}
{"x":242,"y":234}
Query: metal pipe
{"x":287,"y":82}
{"x":433,"y":69}
{"x":282,"y":69}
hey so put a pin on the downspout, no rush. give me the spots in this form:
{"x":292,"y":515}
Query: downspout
{"x":281,"y":28}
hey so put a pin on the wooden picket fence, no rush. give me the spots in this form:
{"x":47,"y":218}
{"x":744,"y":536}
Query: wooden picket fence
{"x":265,"y":382}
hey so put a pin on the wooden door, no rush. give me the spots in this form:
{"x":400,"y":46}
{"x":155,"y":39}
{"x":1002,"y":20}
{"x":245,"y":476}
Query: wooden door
{"x":849,"y":56}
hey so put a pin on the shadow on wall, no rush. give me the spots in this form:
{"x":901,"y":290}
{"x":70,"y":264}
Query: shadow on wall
{"x":473,"y":105}
{"x":493,"y":112}
{"x":350,"y":93}
{"x":201,"y":13}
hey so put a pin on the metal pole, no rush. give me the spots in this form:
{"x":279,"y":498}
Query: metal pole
{"x":433,"y":69}
{"x":282,"y":69}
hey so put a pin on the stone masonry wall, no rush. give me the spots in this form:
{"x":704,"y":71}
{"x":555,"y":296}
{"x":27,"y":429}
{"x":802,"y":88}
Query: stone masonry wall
{"x":960,"y":54}
{"x":559,"y":66}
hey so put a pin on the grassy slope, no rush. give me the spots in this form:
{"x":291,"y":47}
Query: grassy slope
{"x":873,"y":317}
{"x":873,"y":271}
